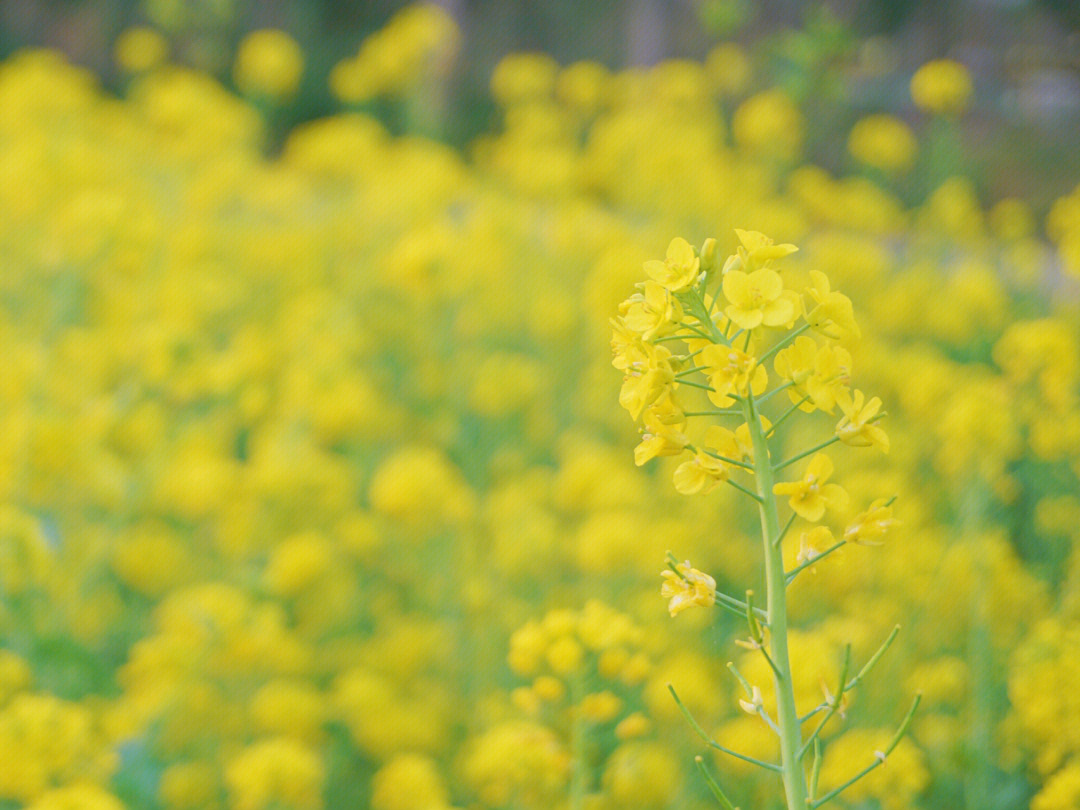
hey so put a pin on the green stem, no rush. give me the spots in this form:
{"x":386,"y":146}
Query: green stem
{"x":880,"y":759}
{"x":696,"y":385}
{"x":787,"y":718}
{"x":714,"y":788}
{"x":785,"y":415}
{"x":783,"y":532}
{"x":769,"y":766}
{"x":815,"y":770}
{"x":805,"y":453}
{"x":744,"y":490}
{"x":727,"y":460}
{"x":794,"y":572}
{"x":686,"y":372}
{"x":741,"y":607}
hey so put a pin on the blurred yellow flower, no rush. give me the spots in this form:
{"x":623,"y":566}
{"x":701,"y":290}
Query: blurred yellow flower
{"x":942,"y":86}
{"x":268,"y":63}
{"x":138,"y":49}
{"x":884,"y":142}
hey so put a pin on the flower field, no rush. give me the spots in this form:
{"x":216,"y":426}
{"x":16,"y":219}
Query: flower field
{"x":315,"y":491}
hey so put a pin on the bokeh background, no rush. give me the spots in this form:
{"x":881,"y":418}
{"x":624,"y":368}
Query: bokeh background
{"x":314,"y":487}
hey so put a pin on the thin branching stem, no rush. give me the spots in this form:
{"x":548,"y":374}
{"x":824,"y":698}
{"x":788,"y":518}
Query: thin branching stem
{"x":794,"y":572}
{"x":727,"y":460}
{"x":805,"y":453}
{"x":833,"y":704}
{"x":881,"y":756}
{"x":744,"y":490}
{"x":783,"y":532}
{"x":771,"y":766}
{"x":714,"y":788}
{"x":766,"y":397}
{"x":785,"y":415}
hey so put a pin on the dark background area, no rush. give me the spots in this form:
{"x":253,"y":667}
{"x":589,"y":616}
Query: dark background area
{"x":1024,"y":56}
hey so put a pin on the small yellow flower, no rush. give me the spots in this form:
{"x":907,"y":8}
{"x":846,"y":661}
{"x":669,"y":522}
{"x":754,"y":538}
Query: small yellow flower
{"x":731,"y":371}
{"x":758,"y":298}
{"x":811,"y":495}
{"x":833,"y":316}
{"x":661,"y":432}
{"x":812,"y":542}
{"x":857,"y":427}
{"x":703,"y":472}
{"x":884,"y":142}
{"x":679,"y":270}
{"x":941,"y":86}
{"x":647,"y":379}
{"x":686,"y":587}
{"x":139,"y":49}
{"x":653,"y":312}
{"x":756,"y":250}
{"x":869,"y":527}
{"x":268,"y":63}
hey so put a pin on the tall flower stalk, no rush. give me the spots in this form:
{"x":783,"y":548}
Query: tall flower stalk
{"x":699,"y":328}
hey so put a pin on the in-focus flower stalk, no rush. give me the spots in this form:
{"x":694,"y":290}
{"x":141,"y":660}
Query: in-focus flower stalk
{"x":728,"y":331}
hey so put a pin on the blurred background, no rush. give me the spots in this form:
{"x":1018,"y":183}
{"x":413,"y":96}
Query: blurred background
{"x":1025,"y":55}
{"x":315,"y":491}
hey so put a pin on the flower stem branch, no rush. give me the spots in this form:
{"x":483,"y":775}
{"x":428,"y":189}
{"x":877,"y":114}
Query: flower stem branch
{"x":794,"y":572}
{"x":771,"y":766}
{"x":805,"y":453}
{"x":714,"y":788}
{"x":881,"y":756}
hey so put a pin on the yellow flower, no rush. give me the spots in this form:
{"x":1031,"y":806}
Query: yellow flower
{"x":819,"y":375}
{"x":812,"y":543}
{"x":857,"y":426}
{"x":869,"y":527}
{"x":138,"y":49}
{"x":811,"y":495}
{"x":653,"y":312}
{"x":731,"y":371}
{"x":758,"y":298}
{"x":679,"y":270}
{"x":661,"y":433}
{"x":884,"y":142}
{"x":268,"y":63}
{"x":703,"y":472}
{"x":769,"y":124}
{"x":686,"y":587}
{"x":409,"y":782}
{"x":941,"y":86}
{"x":647,"y":380}
{"x":756,"y":250}
{"x":833,"y":316}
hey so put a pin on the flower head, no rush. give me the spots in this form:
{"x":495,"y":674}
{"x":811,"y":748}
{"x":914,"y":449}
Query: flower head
{"x":811,"y":495}
{"x":833,"y":316}
{"x":869,"y":527}
{"x":685,"y":586}
{"x":759,"y":298}
{"x":755,"y":250}
{"x":941,"y":86}
{"x":679,"y":269}
{"x":857,"y":426}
